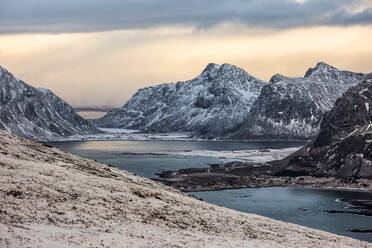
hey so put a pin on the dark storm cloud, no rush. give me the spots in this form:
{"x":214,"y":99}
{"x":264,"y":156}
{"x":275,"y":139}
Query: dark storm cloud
{"x":59,"y":16}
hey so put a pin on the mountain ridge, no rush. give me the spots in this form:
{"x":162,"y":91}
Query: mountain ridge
{"x":218,"y":104}
{"x":209,"y":105}
{"x":293,"y":107}
{"x":343,"y":146}
{"x":37,"y":113}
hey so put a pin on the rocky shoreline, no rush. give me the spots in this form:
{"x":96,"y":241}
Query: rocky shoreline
{"x":241,"y":175}
{"x":254,"y":176}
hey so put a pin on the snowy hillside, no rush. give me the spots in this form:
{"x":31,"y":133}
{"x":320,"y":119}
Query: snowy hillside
{"x":210,"y":105}
{"x":37,"y":113}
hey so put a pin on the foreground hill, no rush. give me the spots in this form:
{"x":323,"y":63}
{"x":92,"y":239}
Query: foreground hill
{"x":215,"y":102}
{"x":37,"y":113}
{"x":49,"y":198}
{"x":293,"y":108}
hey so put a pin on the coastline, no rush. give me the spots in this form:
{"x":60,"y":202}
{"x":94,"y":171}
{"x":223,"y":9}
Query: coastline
{"x":190,"y":184}
{"x":197,"y":182}
{"x":52,"y":198}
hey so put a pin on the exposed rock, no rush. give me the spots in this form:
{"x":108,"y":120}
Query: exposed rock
{"x":209,"y":105}
{"x":343,"y":146}
{"x":292,"y":108}
{"x":341,"y":154}
{"x":37,"y":113}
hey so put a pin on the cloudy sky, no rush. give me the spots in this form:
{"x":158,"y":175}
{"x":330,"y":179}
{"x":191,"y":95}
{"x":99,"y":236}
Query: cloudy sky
{"x":99,"y":52}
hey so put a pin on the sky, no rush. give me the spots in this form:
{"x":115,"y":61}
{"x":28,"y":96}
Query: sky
{"x":99,"y":52}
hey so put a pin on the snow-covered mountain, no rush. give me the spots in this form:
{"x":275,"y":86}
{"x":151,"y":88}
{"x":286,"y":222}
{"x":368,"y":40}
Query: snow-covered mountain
{"x":37,"y":113}
{"x":215,"y":102}
{"x":343,"y":147}
{"x":293,"y":107}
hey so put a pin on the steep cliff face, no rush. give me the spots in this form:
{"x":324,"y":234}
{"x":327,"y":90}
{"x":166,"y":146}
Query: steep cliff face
{"x":292,"y":108}
{"x":37,"y":113}
{"x":343,"y":146}
{"x":210,"y":105}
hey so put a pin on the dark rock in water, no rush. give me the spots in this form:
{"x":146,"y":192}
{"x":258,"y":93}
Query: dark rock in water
{"x":215,"y":102}
{"x":292,"y":108}
{"x":361,"y":230}
{"x":37,"y":113}
{"x":343,"y":147}
{"x":363,"y":213}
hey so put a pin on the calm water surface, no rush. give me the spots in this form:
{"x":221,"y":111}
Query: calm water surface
{"x":146,"y":158}
{"x":299,"y":206}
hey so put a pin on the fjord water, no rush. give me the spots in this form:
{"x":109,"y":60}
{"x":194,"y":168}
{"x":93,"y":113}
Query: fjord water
{"x":300,"y":206}
{"x":146,"y":158}
{"x":297,"y":205}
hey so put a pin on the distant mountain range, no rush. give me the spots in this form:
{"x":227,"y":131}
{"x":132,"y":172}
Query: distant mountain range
{"x":339,"y":156}
{"x":210,"y":105}
{"x":293,"y":107}
{"x":37,"y":113}
{"x":225,"y":102}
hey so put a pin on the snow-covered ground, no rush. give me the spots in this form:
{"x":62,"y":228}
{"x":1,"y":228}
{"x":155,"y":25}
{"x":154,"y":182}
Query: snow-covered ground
{"x":256,"y":156}
{"x":129,"y":134}
{"x":49,"y":198}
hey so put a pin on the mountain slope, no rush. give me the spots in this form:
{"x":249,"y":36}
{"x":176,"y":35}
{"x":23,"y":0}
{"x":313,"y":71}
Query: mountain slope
{"x":343,"y":147}
{"x":49,"y":198}
{"x":211,"y":104}
{"x":292,"y":108}
{"x":37,"y":113}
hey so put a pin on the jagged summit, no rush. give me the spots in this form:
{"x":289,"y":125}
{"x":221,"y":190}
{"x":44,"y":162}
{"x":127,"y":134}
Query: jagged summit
{"x":277,"y":78}
{"x":37,"y":113}
{"x":216,"y":70}
{"x":211,"y":67}
{"x":216,"y":101}
{"x":5,"y":74}
{"x":293,"y":107}
{"x":343,"y":145}
{"x":320,"y":68}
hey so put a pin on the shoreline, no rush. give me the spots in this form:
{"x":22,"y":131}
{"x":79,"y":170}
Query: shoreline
{"x":357,"y":190}
{"x":114,"y":134}
{"x":308,"y":182}
{"x":195,"y":180}
{"x":52,"y":198}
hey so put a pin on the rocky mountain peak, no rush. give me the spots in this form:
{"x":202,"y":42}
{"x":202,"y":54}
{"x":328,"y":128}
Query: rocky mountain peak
{"x":37,"y":113}
{"x":5,"y":73}
{"x":209,"y":105}
{"x":320,"y":68}
{"x":211,"y":67}
{"x":293,"y":107}
{"x":277,"y":78}
{"x":342,"y":147}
